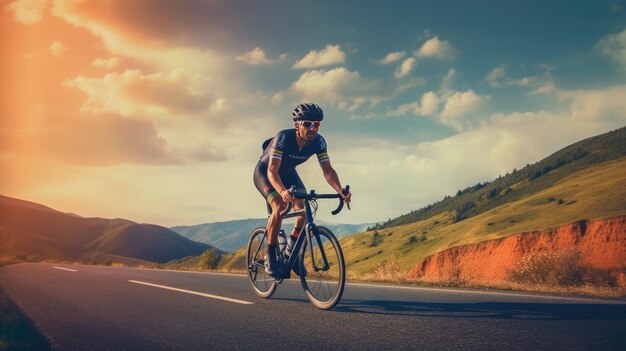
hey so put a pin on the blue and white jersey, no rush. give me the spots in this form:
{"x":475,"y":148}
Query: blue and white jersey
{"x":285,"y":148}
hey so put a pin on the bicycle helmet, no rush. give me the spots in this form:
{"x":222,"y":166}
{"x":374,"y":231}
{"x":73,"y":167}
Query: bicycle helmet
{"x":308,"y":112}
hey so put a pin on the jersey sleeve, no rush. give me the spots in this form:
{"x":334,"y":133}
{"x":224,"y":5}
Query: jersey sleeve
{"x":322,"y":154}
{"x":278,"y":146}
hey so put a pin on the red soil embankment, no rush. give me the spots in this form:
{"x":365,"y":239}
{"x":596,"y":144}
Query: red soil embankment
{"x":601,"y":244}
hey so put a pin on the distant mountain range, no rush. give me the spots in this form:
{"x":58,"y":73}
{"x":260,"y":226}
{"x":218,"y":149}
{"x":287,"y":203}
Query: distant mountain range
{"x":30,"y":231}
{"x":232,"y":235}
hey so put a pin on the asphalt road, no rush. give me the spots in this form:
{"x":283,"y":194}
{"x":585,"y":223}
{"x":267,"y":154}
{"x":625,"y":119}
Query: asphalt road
{"x":109,"y":308}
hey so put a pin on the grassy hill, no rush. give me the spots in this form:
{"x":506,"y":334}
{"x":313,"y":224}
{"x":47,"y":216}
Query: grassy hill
{"x":597,"y":192}
{"x":30,"y":231}
{"x":531,"y":179}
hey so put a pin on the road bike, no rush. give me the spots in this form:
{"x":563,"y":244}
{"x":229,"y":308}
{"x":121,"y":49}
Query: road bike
{"x":316,"y":255}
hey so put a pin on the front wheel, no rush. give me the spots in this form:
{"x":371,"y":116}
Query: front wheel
{"x":262,"y":284}
{"x":323,"y":270}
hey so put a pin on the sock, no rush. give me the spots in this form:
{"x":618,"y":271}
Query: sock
{"x":295,"y":232}
{"x":271,"y":250}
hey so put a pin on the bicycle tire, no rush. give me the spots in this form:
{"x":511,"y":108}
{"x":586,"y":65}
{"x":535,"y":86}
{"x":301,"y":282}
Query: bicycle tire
{"x":323,"y":287}
{"x":262,"y":284}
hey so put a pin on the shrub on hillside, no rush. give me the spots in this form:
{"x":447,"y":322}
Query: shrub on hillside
{"x":209,"y":259}
{"x":376,"y":239}
{"x":390,"y":270}
{"x":562,"y":268}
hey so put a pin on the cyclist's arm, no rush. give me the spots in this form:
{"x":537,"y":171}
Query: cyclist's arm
{"x":333,"y":179}
{"x":273,"y":176}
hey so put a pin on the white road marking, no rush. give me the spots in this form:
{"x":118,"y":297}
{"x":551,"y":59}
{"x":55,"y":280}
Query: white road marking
{"x":194,"y":293}
{"x":65,"y":269}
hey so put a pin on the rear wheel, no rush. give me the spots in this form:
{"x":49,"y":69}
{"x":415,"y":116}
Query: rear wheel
{"x":323,"y":280}
{"x":262,"y":284}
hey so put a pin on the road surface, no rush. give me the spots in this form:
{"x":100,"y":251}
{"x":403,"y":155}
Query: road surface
{"x":110,"y":308}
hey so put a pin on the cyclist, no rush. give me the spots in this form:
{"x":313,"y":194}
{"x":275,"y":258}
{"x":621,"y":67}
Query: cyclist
{"x":276,"y":172}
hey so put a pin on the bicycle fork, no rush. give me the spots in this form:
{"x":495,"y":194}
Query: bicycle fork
{"x":312,"y":232}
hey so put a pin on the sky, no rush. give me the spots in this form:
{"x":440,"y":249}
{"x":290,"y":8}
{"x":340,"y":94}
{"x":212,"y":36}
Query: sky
{"x":155,"y":110}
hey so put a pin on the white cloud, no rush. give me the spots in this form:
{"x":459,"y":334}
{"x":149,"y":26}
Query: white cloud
{"x":437,"y":49}
{"x":546,"y":88}
{"x":405,"y":68}
{"x":446,"y":82}
{"x":133,"y":92}
{"x":597,"y":104}
{"x":106,"y":63}
{"x":392,"y":57}
{"x":336,"y":85}
{"x":57,"y":48}
{"x":459,"y":107}
{"x":257,"y":56}
{"x":540,"y":84}
{"x":28,"y":11}
{"x":530,"y":81}
{"x":494,"y":76}
{"x":497,"y":146}
{"x":278,"y":98}
{"x":460,"y":104}
{"x":428,"y":106}
{"x":330,"y":55}
{"x":614,"y":47}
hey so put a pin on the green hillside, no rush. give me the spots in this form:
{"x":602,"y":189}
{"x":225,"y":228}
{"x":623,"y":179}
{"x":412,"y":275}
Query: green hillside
{"x":594,"y":193}
{"x":529,"y":180}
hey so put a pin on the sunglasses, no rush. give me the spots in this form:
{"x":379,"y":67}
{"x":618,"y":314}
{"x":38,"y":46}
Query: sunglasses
{"x":310,"y":124}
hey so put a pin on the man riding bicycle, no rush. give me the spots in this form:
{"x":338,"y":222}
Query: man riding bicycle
{"x":276,"y":172}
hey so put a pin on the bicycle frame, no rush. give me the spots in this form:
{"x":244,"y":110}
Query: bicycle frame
{"x":308,"y":231}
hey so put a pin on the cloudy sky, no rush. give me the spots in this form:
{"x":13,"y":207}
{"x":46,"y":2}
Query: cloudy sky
{"x":155,"y":110}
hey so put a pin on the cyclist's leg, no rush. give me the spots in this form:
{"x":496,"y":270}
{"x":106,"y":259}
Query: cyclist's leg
{"x":298,"y":205}
{"x":294,"y":179}
{"x":277,"y":204}
{"x":275,"y":219}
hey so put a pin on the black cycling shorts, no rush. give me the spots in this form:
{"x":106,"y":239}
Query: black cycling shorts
{"x":264,"y":186}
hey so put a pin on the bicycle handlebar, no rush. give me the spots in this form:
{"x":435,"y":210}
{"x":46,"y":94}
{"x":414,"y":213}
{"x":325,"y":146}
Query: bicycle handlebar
{"x":313,"y":196}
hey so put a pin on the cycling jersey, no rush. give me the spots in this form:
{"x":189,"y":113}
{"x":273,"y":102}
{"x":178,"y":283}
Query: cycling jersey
{"x":285,"y":148}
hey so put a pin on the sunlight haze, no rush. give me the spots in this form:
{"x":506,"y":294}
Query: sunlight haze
{"x":155,"y":110}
